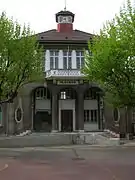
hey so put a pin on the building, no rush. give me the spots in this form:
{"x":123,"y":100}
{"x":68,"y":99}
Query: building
{"x":65,"y":101}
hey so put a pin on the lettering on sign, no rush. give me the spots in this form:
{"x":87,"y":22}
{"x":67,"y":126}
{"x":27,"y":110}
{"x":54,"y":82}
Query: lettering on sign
{"x":67,"y":82}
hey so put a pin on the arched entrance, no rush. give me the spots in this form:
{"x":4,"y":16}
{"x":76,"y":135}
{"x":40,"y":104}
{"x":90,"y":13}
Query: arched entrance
{"x":67,"y":98}
{"x":93,"y":107}
{"x":42,"y":119}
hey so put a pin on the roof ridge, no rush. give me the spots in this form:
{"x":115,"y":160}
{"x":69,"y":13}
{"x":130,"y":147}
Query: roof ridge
{"x":46,"y":31}
{"x":54,"y":35}
{"x":83,"y":32}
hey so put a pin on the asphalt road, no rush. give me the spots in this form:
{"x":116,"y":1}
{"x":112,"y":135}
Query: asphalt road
{"x":67,"y":164}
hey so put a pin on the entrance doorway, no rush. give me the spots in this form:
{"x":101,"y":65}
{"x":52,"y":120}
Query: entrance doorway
{"x":67,"y":120}
{"x":42,"y":121}
{"x":42,"y":118}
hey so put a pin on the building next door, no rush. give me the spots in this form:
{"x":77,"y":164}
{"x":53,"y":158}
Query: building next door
{"x":67,"y":120}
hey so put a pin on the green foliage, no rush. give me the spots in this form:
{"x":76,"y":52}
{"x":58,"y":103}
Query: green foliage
{"x":20,"y":58}
{"x":112,"y":63}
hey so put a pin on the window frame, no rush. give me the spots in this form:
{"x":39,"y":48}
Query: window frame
{"x":54,"y":54}
{"x":80,"y":56}
{"x":90,"y":94}
{"x":16,"y":119}
{"x":41,"y":94}
{"x":67,"y":56}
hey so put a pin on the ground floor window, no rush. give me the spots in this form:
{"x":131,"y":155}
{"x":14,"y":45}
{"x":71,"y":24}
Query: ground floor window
{"x":90,"y":116}
{"x":0,"y":115}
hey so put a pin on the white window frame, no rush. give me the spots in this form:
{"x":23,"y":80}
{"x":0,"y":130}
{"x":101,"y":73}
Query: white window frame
{"x":65,"y":19}
{"x":80,"y":57}
{"x":67,"y":56}
{"x":16,"y":115}
{"x":54,"y":54}
{"x":62,"y":95}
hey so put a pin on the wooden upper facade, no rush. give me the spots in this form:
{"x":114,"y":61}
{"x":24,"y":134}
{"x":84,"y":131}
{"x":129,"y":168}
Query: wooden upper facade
{"x":64,"y":48}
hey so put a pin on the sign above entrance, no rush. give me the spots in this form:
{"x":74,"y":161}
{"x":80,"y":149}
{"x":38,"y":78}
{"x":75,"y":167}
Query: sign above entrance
{"x":69,"y":82}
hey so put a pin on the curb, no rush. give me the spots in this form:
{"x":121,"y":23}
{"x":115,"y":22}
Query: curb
{"x":68,"y":147}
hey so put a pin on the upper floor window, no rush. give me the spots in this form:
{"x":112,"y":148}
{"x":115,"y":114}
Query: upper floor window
{"x":63,"y":95}
{"x":54,"y":58}
{"x":79,"y":59}
{"x":67,"y":59}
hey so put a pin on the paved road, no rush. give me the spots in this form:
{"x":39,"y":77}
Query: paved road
{"x":67,"y":164}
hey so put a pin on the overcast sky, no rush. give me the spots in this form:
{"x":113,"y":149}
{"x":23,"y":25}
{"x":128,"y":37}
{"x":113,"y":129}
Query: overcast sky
{"x":40,"y":14}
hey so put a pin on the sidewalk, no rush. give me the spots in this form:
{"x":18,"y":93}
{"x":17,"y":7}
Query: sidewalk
{"x":129,"y":143}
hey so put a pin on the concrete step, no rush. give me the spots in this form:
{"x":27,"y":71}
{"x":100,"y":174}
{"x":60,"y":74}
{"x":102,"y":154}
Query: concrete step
{"x":57,"y":139}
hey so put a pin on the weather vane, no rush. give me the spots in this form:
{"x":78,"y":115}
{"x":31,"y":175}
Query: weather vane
{"x":65,"y":5}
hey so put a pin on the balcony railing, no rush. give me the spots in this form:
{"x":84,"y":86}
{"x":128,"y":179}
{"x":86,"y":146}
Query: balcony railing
{"x":64,"y":73}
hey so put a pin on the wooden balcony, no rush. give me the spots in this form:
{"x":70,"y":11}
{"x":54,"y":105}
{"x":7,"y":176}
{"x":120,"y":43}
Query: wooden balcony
{"x":72,"y":73}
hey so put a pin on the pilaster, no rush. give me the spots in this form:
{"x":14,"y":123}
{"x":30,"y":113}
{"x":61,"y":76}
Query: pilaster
{"x":54,"y":112}
{"x":80,"y":109}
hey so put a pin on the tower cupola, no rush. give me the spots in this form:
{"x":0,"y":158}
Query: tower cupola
{"x":65,"y":21}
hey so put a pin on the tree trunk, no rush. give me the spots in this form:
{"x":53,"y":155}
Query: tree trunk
{"x":122,"y":124}
{"x":129,"y":122}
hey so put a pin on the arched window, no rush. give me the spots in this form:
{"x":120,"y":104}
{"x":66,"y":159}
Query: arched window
{"x":90,"y":94}
{"x":0,"y":116}
{"x":42,"y":93}
{"x":67,"y":93}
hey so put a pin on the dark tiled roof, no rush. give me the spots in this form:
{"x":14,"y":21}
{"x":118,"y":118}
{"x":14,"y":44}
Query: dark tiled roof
{"x":53,"y":35}
{"x":65,"y":13}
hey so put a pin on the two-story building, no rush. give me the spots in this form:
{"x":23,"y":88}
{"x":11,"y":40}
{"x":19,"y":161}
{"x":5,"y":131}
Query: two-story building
{"x":65,"y":101}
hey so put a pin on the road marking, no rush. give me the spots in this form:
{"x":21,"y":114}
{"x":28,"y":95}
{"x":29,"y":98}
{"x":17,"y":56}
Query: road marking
{"x":5,"y":167}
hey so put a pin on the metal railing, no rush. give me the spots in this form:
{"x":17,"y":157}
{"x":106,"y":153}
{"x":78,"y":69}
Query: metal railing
{"x":62,"y":72}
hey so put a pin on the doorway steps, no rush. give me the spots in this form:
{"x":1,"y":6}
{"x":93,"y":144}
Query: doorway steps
{"x":58,"y":139}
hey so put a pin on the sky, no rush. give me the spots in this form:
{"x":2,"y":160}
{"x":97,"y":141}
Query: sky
{"x":40,"y":14}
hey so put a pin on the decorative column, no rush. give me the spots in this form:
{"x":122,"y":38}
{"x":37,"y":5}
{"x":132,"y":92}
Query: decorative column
{"x":99,"y":110}
{"x":54,"y":111}
{"x":80,"y":111}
